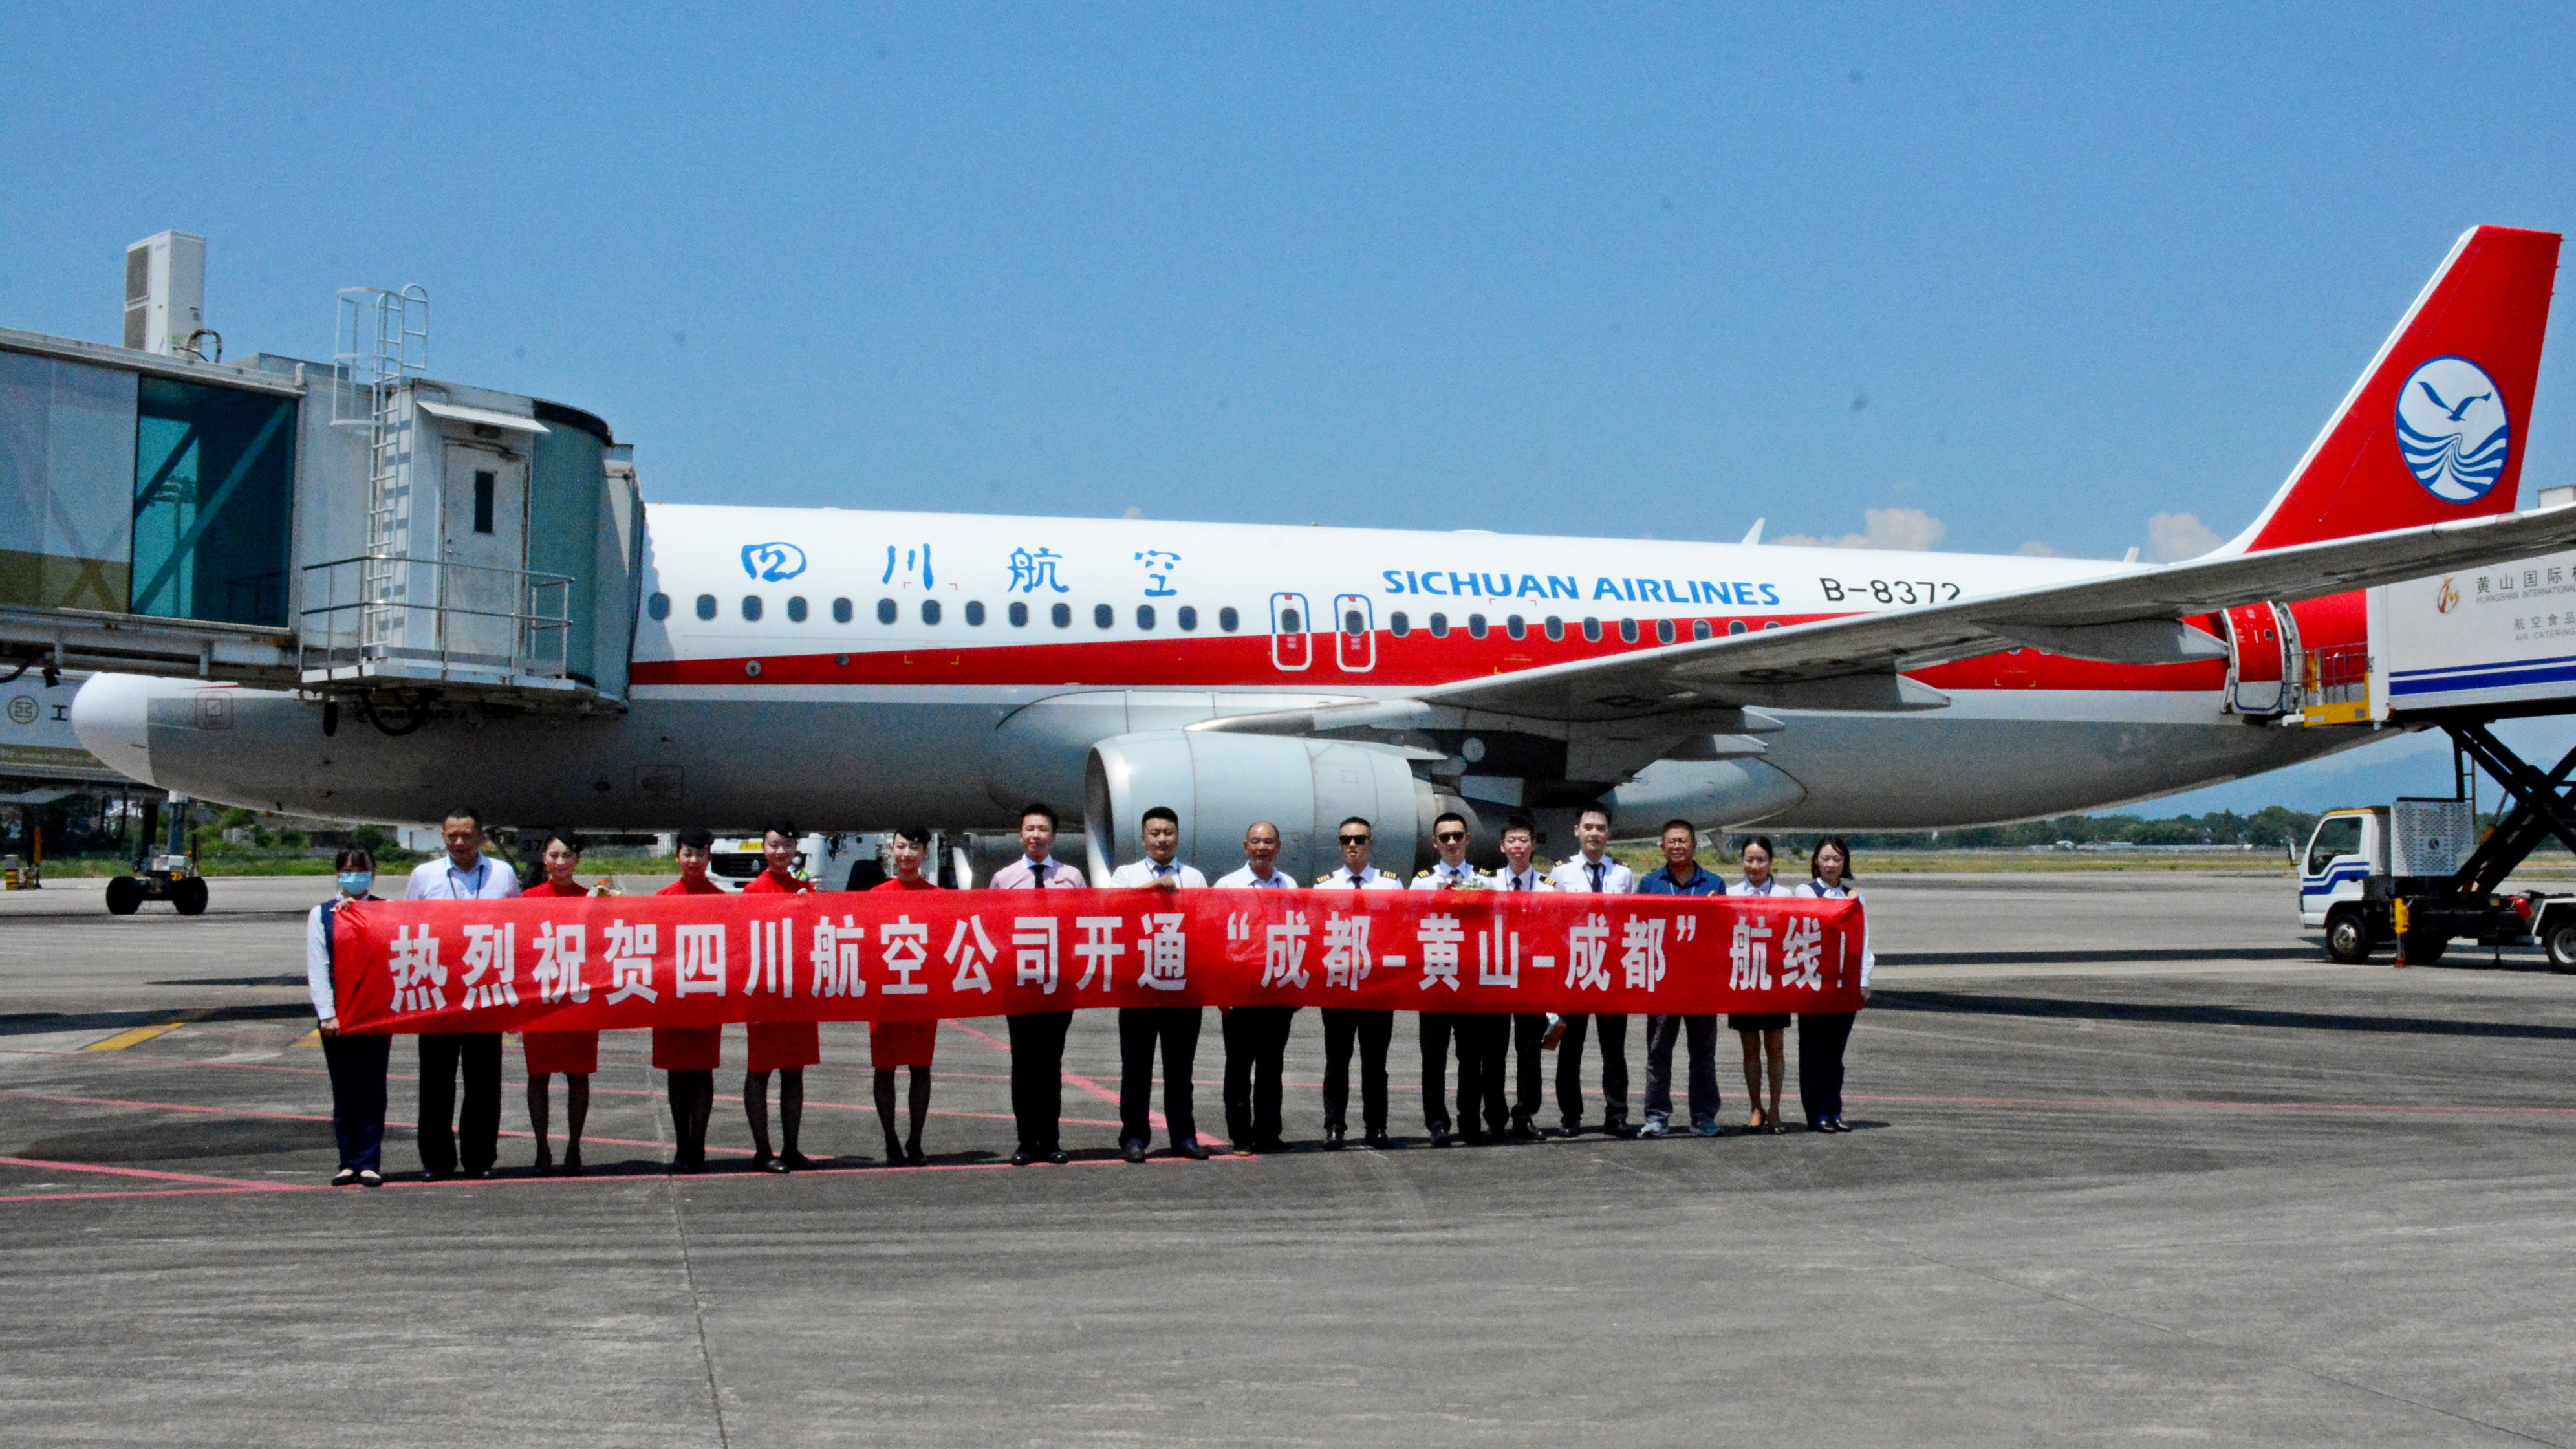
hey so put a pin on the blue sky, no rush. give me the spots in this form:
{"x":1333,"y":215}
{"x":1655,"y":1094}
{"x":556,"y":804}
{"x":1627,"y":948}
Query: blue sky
{"x":2036,"y":275}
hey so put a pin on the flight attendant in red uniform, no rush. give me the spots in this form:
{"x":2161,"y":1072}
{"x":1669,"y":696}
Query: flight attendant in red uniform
{"x":689,"y":1055}
{"x":784,"y":1047}
{"x":575,"y":1054}
{"x":894,"y":1045}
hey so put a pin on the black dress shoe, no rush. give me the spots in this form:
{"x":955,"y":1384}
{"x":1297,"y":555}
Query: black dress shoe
{"x":1056,"y":1156}
{"x":1332,"y":1139}
{"x":798,"y":1161}
{"x":1133,"y":1152}
{"x":1378,"y":1140}
{"x":764,"y":1162}
{"x":912,"y":1157}
{"x":1474,"y":1139}
{"x":1620,"y":1130}
{"x":1569,"y":1129}
{"x":1191,"y":1150}
{"x":1274,"y":1144}
{"x":1439,"y":1137}
{"x":1023,"y":1157}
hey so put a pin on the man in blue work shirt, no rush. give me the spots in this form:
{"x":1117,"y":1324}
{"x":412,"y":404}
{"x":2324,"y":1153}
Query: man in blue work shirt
{"x":1681,"y":876}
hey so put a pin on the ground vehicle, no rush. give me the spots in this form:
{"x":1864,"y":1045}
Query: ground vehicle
{"x":2393,"y":873}
{"x":161,"y":875}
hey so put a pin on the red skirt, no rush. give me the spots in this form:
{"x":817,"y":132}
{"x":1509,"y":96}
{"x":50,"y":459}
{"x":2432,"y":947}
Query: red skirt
{"x":688,"y":1048}
{"x":893,"y":1044}
{"x":778,"y":1046}
{"x":573,"y":1053}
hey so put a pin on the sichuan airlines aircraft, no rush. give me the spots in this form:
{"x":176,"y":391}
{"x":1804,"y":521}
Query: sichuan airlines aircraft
{"x":857,"y":670}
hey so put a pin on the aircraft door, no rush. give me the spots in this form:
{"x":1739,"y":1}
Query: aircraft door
{"x":1355,"y":640}
{"x":1291,"y":647}
{"x":483,"y":547}
{"x":2261,"y":642}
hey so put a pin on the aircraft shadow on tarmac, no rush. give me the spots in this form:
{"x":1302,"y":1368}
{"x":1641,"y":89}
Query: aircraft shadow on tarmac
{"x":2048,"y":958}
{"x":2182,"y":1014}
{"x":37,"y":1023}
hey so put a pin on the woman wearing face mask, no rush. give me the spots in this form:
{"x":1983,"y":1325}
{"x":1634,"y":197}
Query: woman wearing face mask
{"x":1822,"y":1035}
{"x":1764,"y":1034}
{"x":575,"y":1054}
{"x":357,"y":1063}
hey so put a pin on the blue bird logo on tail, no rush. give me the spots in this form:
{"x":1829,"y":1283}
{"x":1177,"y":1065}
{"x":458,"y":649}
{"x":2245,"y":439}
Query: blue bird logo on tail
{"x":2457,"y":450}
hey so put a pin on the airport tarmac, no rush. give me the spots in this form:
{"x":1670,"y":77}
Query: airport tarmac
{"x":2135,"y":1162}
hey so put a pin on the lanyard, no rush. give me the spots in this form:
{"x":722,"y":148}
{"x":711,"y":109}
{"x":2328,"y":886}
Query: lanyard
{"x":474,"y":892}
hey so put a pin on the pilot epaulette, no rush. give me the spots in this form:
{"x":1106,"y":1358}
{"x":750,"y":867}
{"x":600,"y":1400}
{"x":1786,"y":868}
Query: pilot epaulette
{"x":1422,"y":875}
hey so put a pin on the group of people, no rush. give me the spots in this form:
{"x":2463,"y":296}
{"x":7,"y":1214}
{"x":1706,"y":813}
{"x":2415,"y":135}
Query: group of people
{"x":464,"y":1141}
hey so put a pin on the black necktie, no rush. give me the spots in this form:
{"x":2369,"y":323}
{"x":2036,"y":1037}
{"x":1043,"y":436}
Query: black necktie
{"x":1596,"y":877}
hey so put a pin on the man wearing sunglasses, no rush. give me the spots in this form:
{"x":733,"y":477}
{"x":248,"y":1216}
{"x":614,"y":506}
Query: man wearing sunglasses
{"x":1344,"y":1025}
{"x":1452,"y":873}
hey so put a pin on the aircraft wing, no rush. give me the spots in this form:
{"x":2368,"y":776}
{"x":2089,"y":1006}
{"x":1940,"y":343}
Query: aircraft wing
{"x":1858,"y":662}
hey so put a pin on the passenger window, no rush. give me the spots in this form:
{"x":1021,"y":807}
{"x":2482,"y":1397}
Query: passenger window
{"x":1699,"y":628}
{"x":1399,"y":624}
{"x":1062,"y":614}
{"x":1555,"y":628}
{"x":1227,"y":619}
{"x":840,"y":611}
{"x":930,"y":611}
{"x":1591,"y":631}
{"x":1627,"y":631}
{"x":2336,"y":835}
{"x":1439,"y":626}
{"x":1019,"y":616}
{"x":1663,"y":631}
{"x":1516,"y":626}
{"x":659,"y":606}
{"x":885,"y":611}
{"x":796,"y":608}
{"x":1770,"y":623}
{"x":1475,"y":626}
{"x":1186,"y":617}
{"x":706,"y":606}
{"x":975,"y":612}
{"x":1103,"y":616}
{"x":1735,"y":626}
{"x":1144,"y":616}
{"x":751,"y":608}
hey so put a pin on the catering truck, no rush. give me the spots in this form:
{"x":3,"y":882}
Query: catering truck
{"x":2455,"y":652}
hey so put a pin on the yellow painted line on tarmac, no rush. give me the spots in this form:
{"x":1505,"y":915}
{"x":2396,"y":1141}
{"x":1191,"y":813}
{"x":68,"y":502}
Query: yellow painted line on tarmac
{"x":137,"y":1036}
{"x":310,"y":1038}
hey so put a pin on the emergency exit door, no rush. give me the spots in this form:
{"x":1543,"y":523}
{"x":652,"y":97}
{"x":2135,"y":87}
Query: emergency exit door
{"x":1291,"y":647}
{"x":483,"y":553}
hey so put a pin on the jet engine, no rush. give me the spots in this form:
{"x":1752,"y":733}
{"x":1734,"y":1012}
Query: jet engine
{"x":1220,"y":784}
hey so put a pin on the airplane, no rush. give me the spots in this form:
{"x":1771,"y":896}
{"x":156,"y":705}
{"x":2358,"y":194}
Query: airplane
{"x":861,"y":669}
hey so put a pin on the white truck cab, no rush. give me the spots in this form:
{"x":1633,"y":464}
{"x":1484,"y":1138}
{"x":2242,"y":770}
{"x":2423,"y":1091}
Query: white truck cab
{"x":2348,"y":848}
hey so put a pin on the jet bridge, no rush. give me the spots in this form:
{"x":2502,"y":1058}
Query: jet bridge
{"x":356,"y":530}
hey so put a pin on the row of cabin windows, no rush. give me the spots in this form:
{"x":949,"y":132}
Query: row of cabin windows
{"x":932,"y":612}
{"x":1187,"y":617}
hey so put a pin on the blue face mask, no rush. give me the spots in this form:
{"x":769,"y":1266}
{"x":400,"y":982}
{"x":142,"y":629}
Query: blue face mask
{"x":356,"y":882}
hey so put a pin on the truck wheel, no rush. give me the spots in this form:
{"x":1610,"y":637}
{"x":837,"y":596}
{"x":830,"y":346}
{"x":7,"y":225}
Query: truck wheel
{"x":2561,"y":946}
{"x":2347,"y":939}
{"x":189,"y":895}
{"x":124,"y":895}
{"x":2419,"y":949}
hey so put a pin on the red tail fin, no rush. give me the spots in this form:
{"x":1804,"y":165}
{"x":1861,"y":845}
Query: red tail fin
{"x":2435,"y":429}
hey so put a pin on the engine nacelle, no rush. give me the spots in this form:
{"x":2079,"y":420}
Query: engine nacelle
{"x":1221,"y":783}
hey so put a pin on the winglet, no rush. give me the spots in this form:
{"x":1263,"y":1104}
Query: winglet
{"x":2435,"y":429}
{"x":1753,"y":535}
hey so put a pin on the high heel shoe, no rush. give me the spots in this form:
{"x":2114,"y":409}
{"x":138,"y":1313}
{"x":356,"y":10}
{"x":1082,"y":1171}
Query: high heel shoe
{"x":1757,"y":1122}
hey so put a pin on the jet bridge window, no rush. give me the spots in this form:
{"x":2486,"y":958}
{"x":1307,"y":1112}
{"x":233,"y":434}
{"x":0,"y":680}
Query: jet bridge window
{"x":706,"y":606}
{"x":213,"y":471}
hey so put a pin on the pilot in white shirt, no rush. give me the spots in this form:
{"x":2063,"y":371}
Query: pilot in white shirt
{"x":1535,"y":1032}
{"x":1142,"y":1028}
{"x":1474,"y":1034}
{"x":1592,"y":869}
{"x":1256,"y":1037}
{"x":1345,"y":1026}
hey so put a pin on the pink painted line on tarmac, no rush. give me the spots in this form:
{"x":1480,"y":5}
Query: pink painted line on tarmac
{"x":2169,"y":1105}
{"x":1086,"y":1084}
{"x":157,"y":1192}
{"x":307,"y":1117}
{"x":199,"y":1179}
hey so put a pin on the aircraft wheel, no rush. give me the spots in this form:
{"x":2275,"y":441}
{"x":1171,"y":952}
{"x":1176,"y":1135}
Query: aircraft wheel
{"x":189,"y":895}
{"x":2421,"y":950}
{"x":2561,"y":946}
{"x":2347,"y":938}
{"x":124,"y":895}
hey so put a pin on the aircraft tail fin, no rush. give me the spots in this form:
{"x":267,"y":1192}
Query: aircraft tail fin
{"x":2435,"y":428}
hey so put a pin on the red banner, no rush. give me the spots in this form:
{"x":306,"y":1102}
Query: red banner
{"x":568,"y":964}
